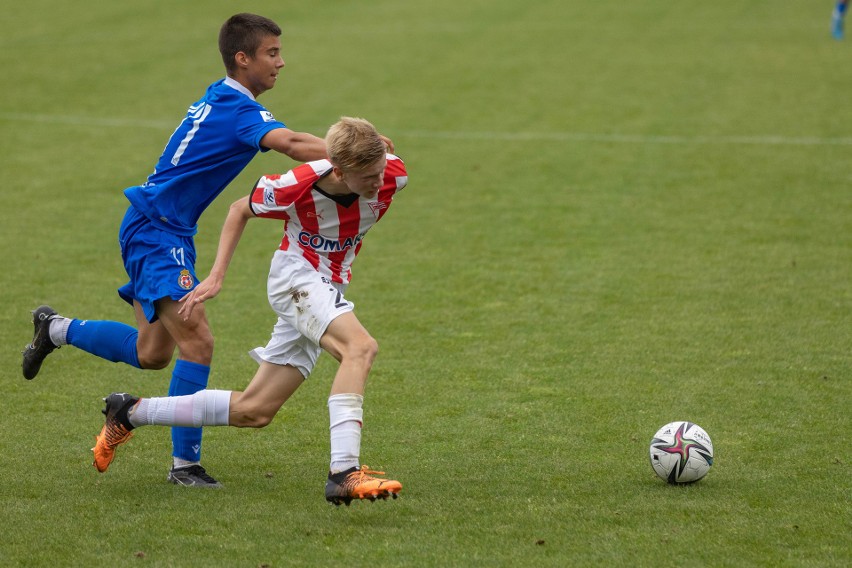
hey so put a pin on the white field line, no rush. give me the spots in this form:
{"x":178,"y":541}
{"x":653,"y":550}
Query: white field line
{"x":632,"y":138}
{"x":519,"y":136}
{"x":86,"y":120}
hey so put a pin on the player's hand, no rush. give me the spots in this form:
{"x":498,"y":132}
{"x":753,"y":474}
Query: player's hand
{"x":388,"y":142}
{"x":207,"y":289}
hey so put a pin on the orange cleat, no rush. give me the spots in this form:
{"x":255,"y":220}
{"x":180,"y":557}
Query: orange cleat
{"x":355,"y":483}
{"x":116,"y":430}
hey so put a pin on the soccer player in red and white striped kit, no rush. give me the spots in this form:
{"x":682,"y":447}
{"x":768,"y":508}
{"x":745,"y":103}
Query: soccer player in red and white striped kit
{"x":327,"y":206}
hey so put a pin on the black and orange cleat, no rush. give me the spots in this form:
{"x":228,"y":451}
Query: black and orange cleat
{"x":355,"y":483}
{"x":116,"y":430}
{"x":41,"y":345}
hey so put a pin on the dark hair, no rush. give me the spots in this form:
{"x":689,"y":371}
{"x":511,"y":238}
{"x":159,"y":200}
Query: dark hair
{"x":244,"y":32}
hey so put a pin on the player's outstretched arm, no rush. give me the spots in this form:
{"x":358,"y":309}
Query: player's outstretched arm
{"x":238,"y":215}
{"x":300,"y":146}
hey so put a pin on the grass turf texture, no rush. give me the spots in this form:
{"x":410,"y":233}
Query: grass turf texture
{"x":620,"y":214}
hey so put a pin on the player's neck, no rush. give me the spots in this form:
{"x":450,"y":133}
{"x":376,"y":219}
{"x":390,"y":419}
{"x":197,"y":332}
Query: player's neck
{"x":246,"y":84}
{"x":333,"y":185}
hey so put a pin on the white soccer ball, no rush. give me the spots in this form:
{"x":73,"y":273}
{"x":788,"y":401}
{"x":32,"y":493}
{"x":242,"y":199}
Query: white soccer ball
{"x":681,"y":452}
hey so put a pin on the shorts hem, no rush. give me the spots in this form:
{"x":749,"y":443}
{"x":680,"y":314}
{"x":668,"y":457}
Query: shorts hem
{"x":257,"y":355}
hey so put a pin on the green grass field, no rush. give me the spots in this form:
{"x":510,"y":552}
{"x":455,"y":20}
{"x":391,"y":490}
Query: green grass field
{"x":619,"y":214}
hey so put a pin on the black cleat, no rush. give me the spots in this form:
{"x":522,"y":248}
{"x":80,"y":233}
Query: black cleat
{"x":41,"y":346}
{"x":193,"y":476}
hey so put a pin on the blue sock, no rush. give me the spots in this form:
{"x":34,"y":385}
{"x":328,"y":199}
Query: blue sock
{"x":110,"y":340}
{"x":841,"y":8}
{"x":187,"y":378}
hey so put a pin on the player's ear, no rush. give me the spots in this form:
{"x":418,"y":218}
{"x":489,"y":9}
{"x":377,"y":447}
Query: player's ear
{"x":242,"y":59}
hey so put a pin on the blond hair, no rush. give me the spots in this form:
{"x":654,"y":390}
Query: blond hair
{"x":354,"y":144}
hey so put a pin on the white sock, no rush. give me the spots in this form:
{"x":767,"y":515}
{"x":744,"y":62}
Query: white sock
{"x":178,"y":463}
{"x":204,"y":408}
{"x":58,"y":330}
{"x":346,"y":416}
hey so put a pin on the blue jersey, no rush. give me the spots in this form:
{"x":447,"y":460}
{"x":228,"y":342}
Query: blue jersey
{"x":215,"y":142}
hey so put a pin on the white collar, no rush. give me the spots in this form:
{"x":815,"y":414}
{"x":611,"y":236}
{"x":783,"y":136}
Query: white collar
{"x":236,"y":85}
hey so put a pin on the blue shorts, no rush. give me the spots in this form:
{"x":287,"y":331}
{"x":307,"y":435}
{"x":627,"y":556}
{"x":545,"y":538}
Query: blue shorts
{"x":160,"y":264}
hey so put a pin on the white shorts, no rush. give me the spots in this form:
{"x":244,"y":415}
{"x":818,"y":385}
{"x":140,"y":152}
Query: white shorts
{"x":306,"y":303}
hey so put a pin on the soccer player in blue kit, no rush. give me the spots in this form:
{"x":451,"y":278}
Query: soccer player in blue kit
{"x":220,"y":134}
{"x":837,"y":17}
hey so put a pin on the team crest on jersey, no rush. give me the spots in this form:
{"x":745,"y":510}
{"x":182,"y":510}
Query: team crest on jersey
{"x":185,"y":280}
{"x":267,"y":116}
{"x":377,"y":206}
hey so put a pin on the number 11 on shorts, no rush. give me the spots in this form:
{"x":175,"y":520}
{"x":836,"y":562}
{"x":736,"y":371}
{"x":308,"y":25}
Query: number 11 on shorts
{"x":177,"y":254}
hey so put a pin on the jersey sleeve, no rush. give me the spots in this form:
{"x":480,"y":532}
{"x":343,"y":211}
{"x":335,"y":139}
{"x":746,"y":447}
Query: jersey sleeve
{"x":264,"y":198}
{"x":253,"y":123}
{"x":395,"y":170}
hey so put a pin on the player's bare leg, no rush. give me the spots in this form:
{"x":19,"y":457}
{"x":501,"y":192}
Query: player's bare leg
{"x":270,"y":388}
{"x":193,"y":337}
{"x":351,"y":344}
{"x":154,"y":346}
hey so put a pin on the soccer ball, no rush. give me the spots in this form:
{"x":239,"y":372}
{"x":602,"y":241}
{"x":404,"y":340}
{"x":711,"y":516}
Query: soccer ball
{"x":681,"y":452}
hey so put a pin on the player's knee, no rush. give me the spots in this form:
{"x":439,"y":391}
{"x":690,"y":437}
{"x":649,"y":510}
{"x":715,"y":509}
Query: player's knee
{"x":251,"y":418}
{"x":207,"y":345}
{"x":204,"y":342}
{"x":244,"y":413}
{"x":364,"y":349}
{"x":372,"y":348}
{"x":198,"y":348}
{"x":260,"y":420}
{"x":154,"y":361}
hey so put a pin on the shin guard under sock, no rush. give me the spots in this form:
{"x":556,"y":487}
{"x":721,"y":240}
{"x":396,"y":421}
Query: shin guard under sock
{"x":187,"y":378}
{"x":110,"y":340}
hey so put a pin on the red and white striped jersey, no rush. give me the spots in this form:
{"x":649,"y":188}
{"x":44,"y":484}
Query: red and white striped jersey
{"x":327,"y":230}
